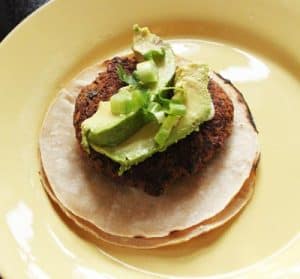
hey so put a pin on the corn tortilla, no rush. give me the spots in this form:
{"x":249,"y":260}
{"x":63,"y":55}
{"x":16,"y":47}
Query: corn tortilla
{"x":123,"y":213}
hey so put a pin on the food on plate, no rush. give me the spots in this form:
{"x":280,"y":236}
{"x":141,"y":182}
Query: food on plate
{"x":149,"y":149}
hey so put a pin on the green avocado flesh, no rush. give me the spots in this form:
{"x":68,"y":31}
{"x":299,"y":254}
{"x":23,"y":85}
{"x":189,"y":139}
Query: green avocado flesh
{"x":193,"y":78}
{"x":107,"y":129}
{"x":133,"y":137}
{"x":149,"y":45}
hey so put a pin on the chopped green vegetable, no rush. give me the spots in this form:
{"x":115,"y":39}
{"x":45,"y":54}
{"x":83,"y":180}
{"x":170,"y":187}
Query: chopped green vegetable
{"x":155,"y":55}
{"x":156,"y":110}
{"x":177,"y":109}
{"x":140,"y":98}
{"x":154,"y":106}
{"x":174,"y":108}
{"x":146,"y":72}
{"x":165,"y":129}
{"x":121,"y":103}
{"x":149,"y":46}
{"x":163,"y":99}
{"x":127,"y":100}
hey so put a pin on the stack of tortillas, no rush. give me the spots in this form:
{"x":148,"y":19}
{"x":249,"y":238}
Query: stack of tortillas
{"x":129,"y":217}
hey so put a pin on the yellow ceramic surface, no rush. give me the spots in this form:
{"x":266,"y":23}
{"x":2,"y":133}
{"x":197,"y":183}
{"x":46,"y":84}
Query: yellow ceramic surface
{"x":254,"y":43}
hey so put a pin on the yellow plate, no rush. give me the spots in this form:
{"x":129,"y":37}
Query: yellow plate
{"x":254,"y":43}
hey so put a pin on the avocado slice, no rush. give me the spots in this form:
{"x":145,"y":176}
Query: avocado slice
{"x":150,"y":46}
{"x":107,"y":129}
{"x":135,"y":149}
{"x":193,"y":79}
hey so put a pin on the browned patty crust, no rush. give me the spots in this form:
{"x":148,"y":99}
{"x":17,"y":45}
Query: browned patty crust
{"x":186,"y":157}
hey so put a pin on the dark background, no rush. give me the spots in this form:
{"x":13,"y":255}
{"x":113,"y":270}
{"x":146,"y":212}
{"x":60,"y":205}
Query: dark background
{"x":13,"y":11}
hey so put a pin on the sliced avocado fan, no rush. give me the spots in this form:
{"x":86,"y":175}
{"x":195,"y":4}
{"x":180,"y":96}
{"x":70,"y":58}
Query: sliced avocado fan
{"x":155,"y":110}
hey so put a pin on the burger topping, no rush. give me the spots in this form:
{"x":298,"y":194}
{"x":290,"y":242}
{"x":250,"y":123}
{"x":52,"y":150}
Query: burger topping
{"x":158,"y":107}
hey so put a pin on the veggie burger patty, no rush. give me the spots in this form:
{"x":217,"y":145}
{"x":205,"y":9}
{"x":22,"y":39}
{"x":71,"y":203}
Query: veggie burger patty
{"x":184,"y":158}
